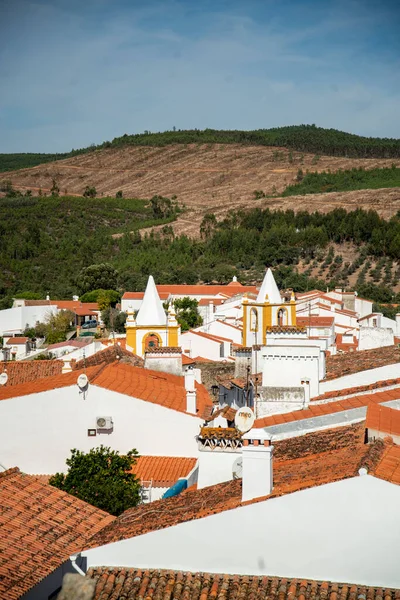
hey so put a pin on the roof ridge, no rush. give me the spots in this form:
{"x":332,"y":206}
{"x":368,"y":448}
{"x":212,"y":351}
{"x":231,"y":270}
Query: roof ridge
{"x":8,"y":472}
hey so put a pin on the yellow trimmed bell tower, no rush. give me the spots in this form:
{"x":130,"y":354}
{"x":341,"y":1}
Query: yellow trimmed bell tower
{"x":152,"y":327}
{"x":269,"y":310}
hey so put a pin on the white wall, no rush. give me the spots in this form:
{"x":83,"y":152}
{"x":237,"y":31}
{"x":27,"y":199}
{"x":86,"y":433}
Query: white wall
{"x":282,"y":537}
{"x":219,"y":328}
{"x":375,"y":337}
{"x":361,"y":378}
{"x":195,"y":345}
{"x":38,"y":431}
{"x":215,"y":467}
{"x":286,"y":366}
{"x":14,"y":320}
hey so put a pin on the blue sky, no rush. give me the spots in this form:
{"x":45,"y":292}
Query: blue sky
{"x":77,"y":72}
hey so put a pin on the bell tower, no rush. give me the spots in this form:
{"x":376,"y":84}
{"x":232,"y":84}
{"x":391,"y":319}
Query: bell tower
{"x":269,"y":310}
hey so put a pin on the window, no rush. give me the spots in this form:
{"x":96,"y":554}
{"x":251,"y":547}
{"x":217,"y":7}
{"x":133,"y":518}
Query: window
{"x":253,"y":320}
{"x":221,"y":351}
{"x":282,"y":317}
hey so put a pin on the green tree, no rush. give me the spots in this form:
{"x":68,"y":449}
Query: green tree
{"x":90,"y":192}
{"x":57,"y":326}
{"x":114,"y":319}
{"x":187,"y":313}
{"x":101,"y":477}
{"x":105,"y":298}
{"x":162,"y":207}
{"x":119,"y":194}
{"x":96,"y":277}
{"x":208,"y":225}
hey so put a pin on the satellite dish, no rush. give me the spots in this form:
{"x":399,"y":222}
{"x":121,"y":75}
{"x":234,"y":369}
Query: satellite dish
{"x":237,"y":468}
{"x":3,"y":378}
{"x":244,"y":419}
{"x":82,"y":381}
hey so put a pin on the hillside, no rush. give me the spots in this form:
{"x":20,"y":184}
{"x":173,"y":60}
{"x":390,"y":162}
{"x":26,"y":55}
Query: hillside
{"x":206,"y":178}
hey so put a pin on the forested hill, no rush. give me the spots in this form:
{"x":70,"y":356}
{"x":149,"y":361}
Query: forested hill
{"x":303,"y":138}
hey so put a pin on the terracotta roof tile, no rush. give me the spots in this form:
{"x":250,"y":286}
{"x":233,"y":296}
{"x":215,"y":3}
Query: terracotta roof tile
{"x":186,"y":360}
{"x":207,"y":290}
{"x":152,"y":386}
{"x":45,"y":383}
{"x":339,"y":455}
{"x":162,"y":471}
{"x":131,"y":583}
{"x":14,"y":341}
{"x":383,"y":419}
{"x":25,"y":371}
{"x":111,"y":354}
{"x":333,"y":407}
{"x":40,"y":527}
{"x":314,"y":321}
{"x":165,"y":350}
{"x":214,"y":338}
{"x":357,"y":390}
{"x":339,"y":365}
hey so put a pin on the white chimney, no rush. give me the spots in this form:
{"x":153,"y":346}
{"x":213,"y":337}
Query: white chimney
{"x":190,"y":388}
{"x":257,"y":465}
{"x":305,"y":382}
{"x":75,"y":298}
{"x":211,"y":311}
{"x":47,"y":297}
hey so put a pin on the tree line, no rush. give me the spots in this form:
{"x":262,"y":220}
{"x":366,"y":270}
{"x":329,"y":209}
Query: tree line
{"x":46,"y":243}
{"x":344,"y":181}
{"x":303,"y":138}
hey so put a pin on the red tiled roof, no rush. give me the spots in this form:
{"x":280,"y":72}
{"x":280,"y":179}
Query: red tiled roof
{"x":152,"y":386}
{"x":389,"y":466}
{"x":357,"y":389}
{"x":339,"y":365}
{"x":383,"y":419}
{"x":111,"y":354}
{"x":214,"y":338}
{"x":317,"y":410}
{"x":186,"y":360}
{"x":46,"y":383}
{"x":332,"y":463}
{"x":162,"y":471}
{"x":131,"y":584}
{"x":25,"y":371}
{"x":74,"y":304}
{"x":207,"y":290}
{"x":140,"y":295}
{"x":16,"y":340}
{"x":314,"y":321}
{"x":215,"y":301}
{"x":201,"y":359}
{"x":73,"y":343}
{"x":40,"y":527}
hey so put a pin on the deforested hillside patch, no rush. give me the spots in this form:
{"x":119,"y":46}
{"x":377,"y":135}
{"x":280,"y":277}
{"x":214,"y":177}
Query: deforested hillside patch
{"x":206,"y":178}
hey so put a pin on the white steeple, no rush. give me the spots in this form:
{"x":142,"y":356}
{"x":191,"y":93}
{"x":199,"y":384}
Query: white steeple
{"x":151,"y":311}
{"x":269,"y":288}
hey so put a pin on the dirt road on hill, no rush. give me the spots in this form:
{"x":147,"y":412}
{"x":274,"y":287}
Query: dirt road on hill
{"x":205,"y":178}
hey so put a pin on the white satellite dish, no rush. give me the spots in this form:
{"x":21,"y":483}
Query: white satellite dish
{"x":244,"y":419}
{"x":237,"y":468}
{"x":82,"y":381}
{"x":3,"y":378}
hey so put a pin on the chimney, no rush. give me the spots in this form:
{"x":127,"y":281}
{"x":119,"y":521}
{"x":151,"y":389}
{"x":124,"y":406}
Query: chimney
{"x":47,"y":297}
{"x":305,"y":382}
{"x":211,"y":311}
{"x":257,"y":465}
{"x":75,"y":298}
{"x":190,"y":388}
{"x":398,"y":323}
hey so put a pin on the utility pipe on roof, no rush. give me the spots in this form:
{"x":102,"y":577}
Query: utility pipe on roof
{"x":73,"y":559}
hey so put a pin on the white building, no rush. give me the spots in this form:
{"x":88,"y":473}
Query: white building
{"x":280,"y":508}
{"x":157,"y":413}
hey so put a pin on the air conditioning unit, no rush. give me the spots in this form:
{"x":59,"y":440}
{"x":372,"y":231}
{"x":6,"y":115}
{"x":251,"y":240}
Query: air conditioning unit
{"x":104,"y":422}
